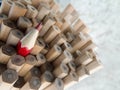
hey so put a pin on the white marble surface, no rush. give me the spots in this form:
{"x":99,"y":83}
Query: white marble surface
{"x":103,"y":19}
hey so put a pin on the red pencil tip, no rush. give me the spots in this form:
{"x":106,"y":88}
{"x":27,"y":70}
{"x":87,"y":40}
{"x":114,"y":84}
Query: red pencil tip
{"x":39,"y":26}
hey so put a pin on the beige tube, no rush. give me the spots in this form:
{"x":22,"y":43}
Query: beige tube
{"x":41,"y":59}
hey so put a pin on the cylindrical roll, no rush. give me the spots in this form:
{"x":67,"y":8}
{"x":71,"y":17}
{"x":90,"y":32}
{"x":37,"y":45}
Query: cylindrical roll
{"x":6,"y":26}
{"x":14,"y":37}
{"x":35,"y":3}
{"x":33,"y":84}
{"x":25,"y":2}
{"x":2,"y":17}
{"x":46,"y":79}
{"x":30,"y":62}
{"x":70,"y":37}
{"x":61,"y":71}
{"x":65,"y":57}
{"x":67,"y":46}
{"x":16,"y":62}
{"x":31,"y":12}
{"x":5,"y":6}
{"x":17,"y":10}
{"x":58,"y":84}
{"x":6,"y":52}
{"x":24,"y":23}
{"x":51,"y":34}
{"x":40,"y":59}
{"x":72,"y":66}
{"x":53,"y":53}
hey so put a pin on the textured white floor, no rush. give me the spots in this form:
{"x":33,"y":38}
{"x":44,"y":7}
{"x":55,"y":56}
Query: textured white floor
{"x":103,"y":19}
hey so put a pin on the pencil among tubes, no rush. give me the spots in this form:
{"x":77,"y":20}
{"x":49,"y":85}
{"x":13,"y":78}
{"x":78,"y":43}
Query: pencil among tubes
{"x":43,"y":48}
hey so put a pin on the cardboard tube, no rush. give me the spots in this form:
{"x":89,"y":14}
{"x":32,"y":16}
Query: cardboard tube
{"x":65,"y":57}
{"x":59,"y":22}
{"x":19,"y":83}
{"x":70,"y":36}
{"x":14,"y":37}
{"x":33,"y":84}
{"x":34,"y":72}
{"x":51,"y":34}
{"x":35,"y":3}
{"x":2,"y":17}
{"x":7,"y":79}
{"x":16,"y":62}
{"x":24,"y":23}
{"x":59,"y":39}
{"x":72,"y":66}
{"x":46,"y":49}
{"x":77,"y":25}
{"x":30,"y":62}
{"x":26,"y":2}
{"x":71,"y":79}
{"x":6,"y":27}
{"x":55,"y":7}
{"x":83,"y":59}
{"x":6,"y":52}
{"x":1,"y":43}
{"x":46,"y":67}
{"x":47,"y":23}
{"x":5,"y":6}
{"x":46,"y":79}
{"x":20,"y":10}
{"x":31,"y":12}
{"x":38,"y":46}
{"x":67,"y":46}
{"x":61,"y":71}
{"x":53,"y":53}
{"x":56,"y":85}
{"x":3,"y":67}
{"x":40,"y":59}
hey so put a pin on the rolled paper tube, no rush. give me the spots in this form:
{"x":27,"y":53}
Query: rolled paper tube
{"x":61,"y":71}
{"x":83,"y":59}
{"x":6,"y":27}
{"x":35,"y":3}
{"x":33,"y":84}
{"x":43,"y":10}
{"x":77,"y":53}
{"x":19,"y":83}
{"x":3,"y":67}
{"x":26,"y":2}
{"x":82,"y":72}
{"x":94,"y":66}
{"x":44,"y":51}
{"x":6,"y":52}
{"x":71,"y":79}
{"x":40,"y":59}
{"x":65,"y":57}
{"x":24,"y":23}
{"x":1,"y":43}
{"x":55,"y":7}
{"x":53,"y":53}
{"x":70,"y":37}
{"x":59,"y":22}
{"x":31,"y":12}
{"x":7,"y":79}
{"x":16,"y":62}
{"x":77,"y":25}
{"x":46,"y":67}
{"x":19,"y":8}
{"x":2,"y":17}
{"x":47,"y":23}
{"x":46,"y":79}
{"x":30,"y":62}
{"x":67,"y":46}
{"x":14,"y":37}
{"x":5,"y":6}
{"x":34,"y":72}
{"x":51,"y":34}
{"x":59,"y":39}
{"x":72,"y":66}
{"x":58,"y":84}
{"x":38,"y":46}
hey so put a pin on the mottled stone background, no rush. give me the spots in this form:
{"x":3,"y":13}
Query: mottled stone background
{"x":103,"y":19}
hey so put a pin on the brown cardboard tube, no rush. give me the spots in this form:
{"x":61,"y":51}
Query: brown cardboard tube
{"x":67,"y":46}
{"x":24,"y":23}
{"x":19,"y":8}
{"x":6,"y":27}
{"x":59,"y":22}
{"x":34,"y":72}
{"x":31,"y":12}
{"x":30,"y":62}
{"x":35,"y":3}
{"x":14,"y":37}
{"x":16,"y":62}
{"x":56,"y":85}
{"x":70,"y":36}
{"x":51,"y":34}
{"x":26,"y":2}
{"x":65,"y":57}
{"x":6,"y":52}
{"x":40,"y":59}
{"x":61,"y":71}
{"x":53,"y":53}
{"x":46,"y":79}
{"x":2,"y":17}
{"x":5,"y":6}
{"x":72,"y":66}
{"x":33,"y":84}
